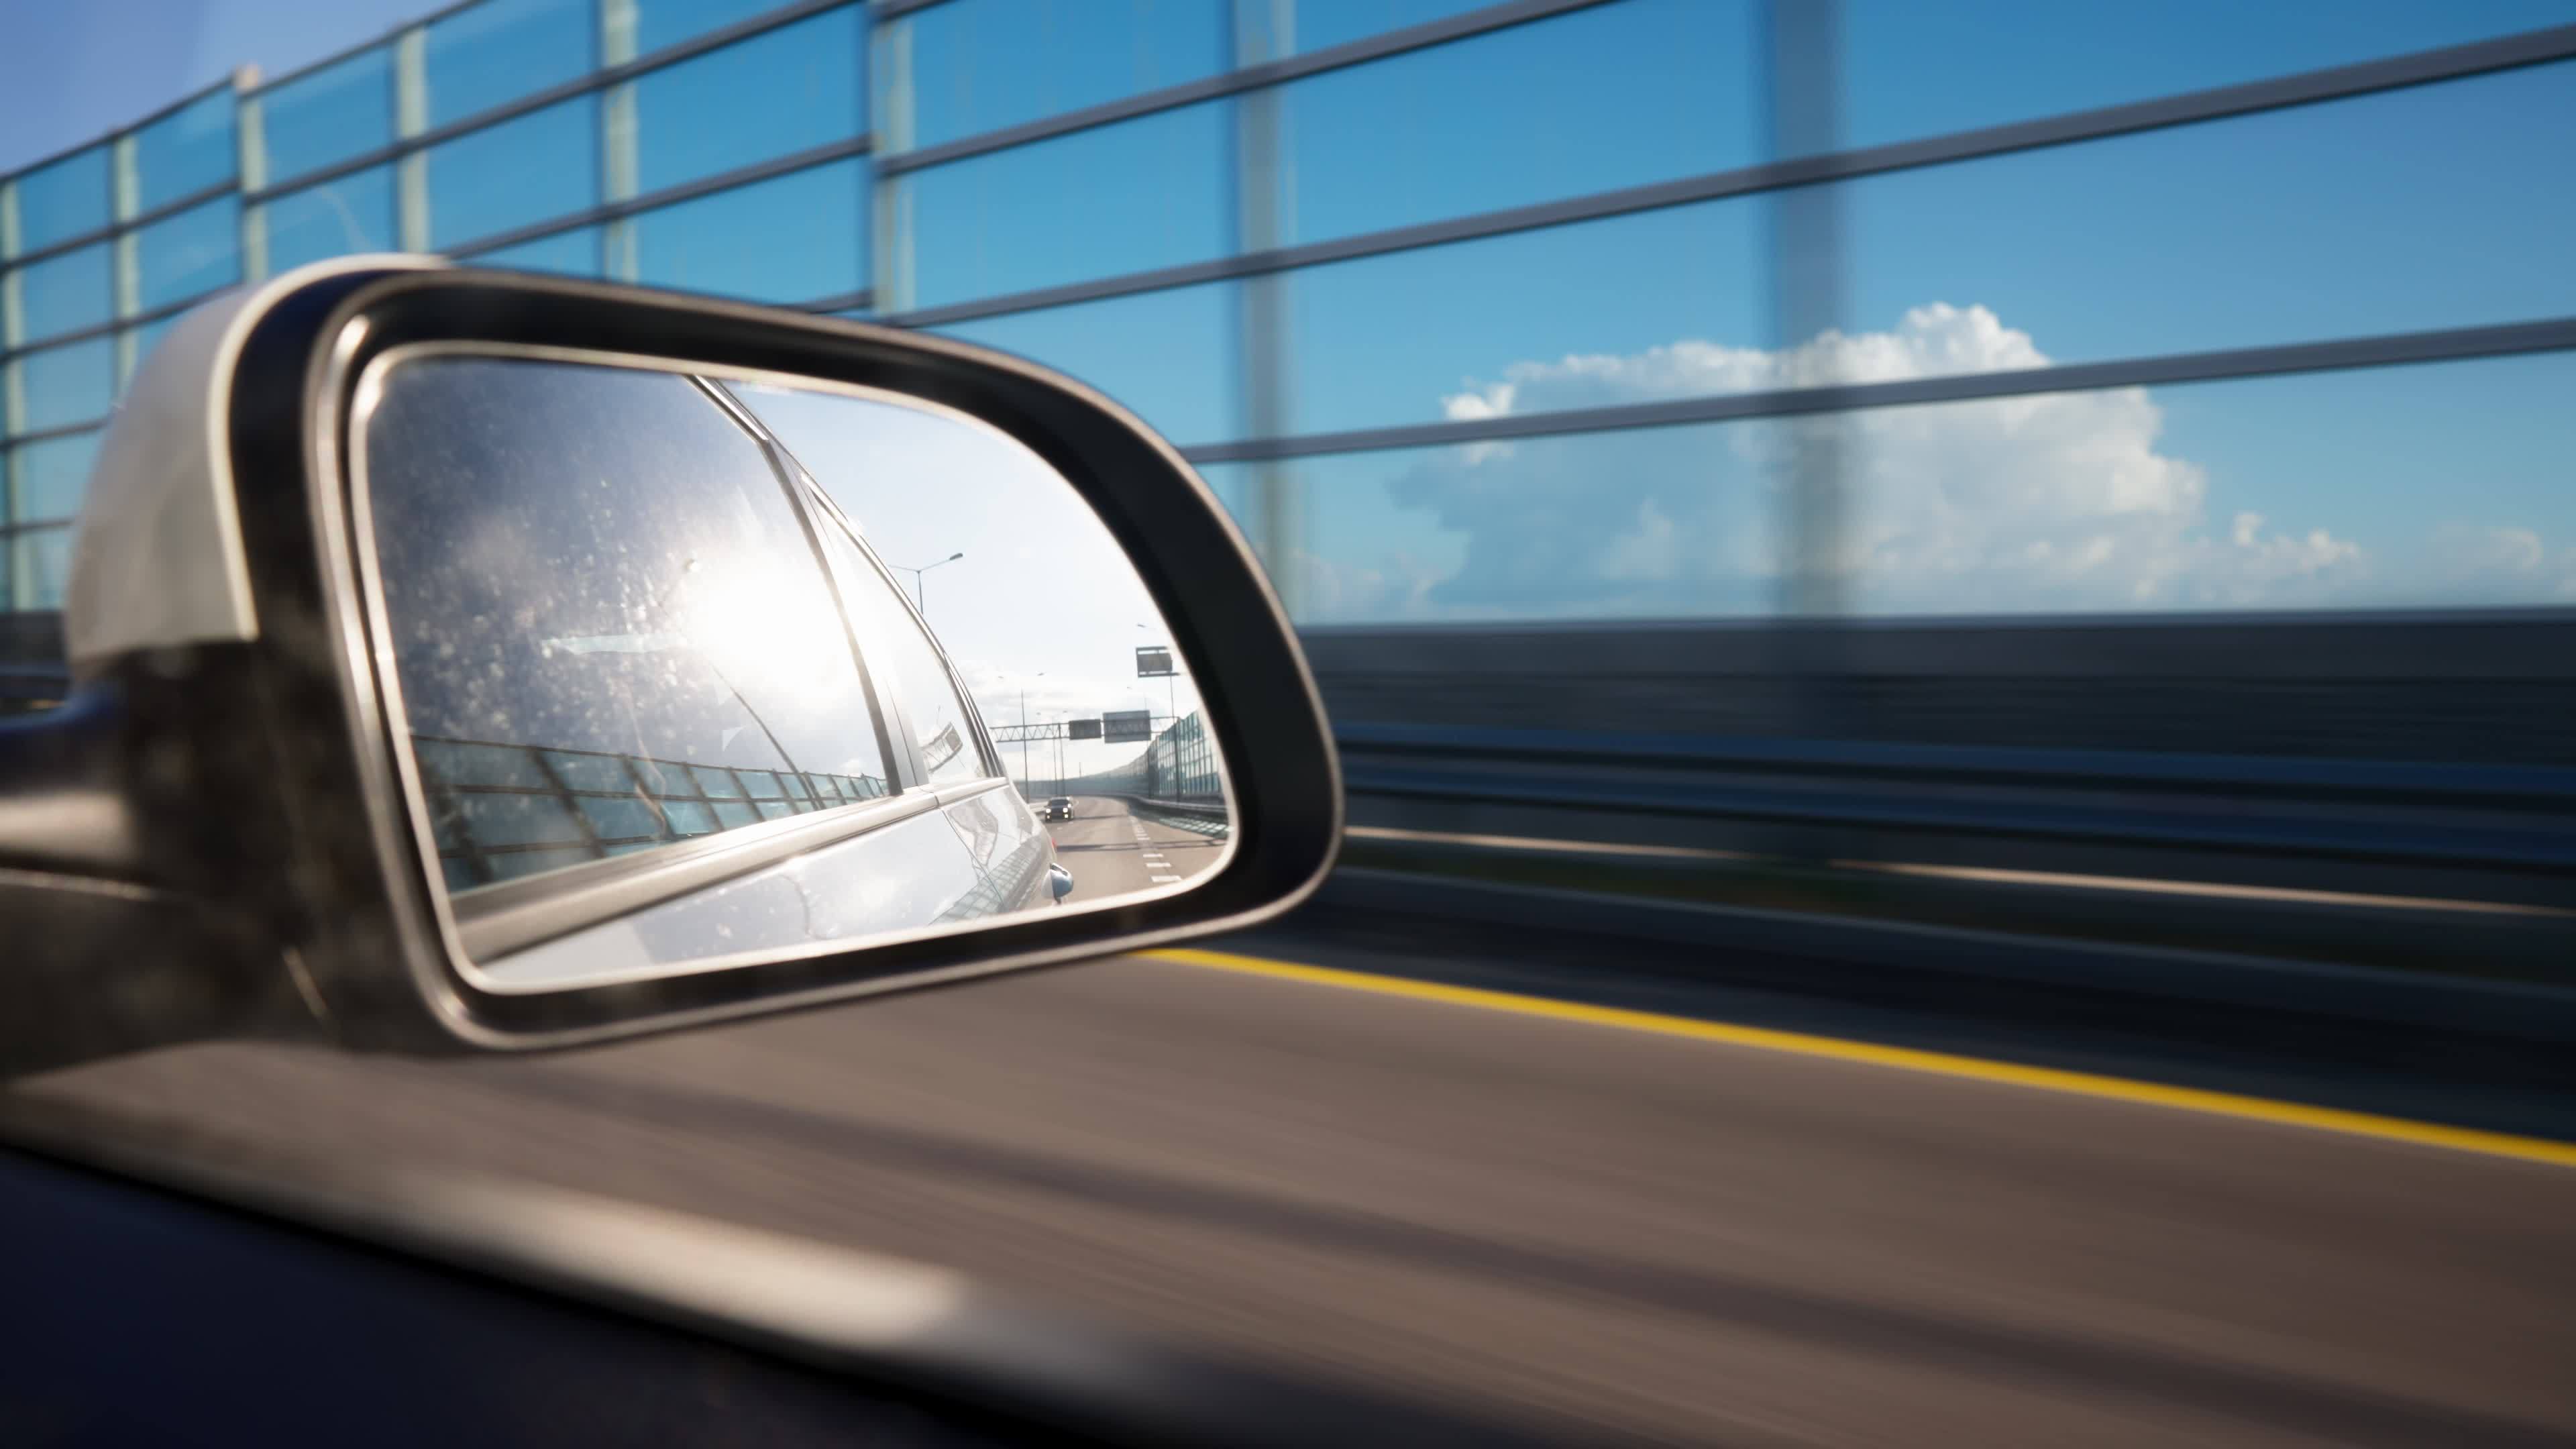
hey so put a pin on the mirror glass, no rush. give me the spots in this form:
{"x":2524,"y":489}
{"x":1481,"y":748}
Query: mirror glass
{"x":700,"y":670}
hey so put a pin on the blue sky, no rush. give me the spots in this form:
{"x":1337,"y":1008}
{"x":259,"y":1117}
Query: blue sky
{"x":2419,"y":209}
{"x":74,"y":72}
{"x":2412,"y":210}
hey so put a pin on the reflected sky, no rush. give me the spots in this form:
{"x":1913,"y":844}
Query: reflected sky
{"x":1044,"y":601}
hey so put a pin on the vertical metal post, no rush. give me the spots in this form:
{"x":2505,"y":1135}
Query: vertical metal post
{"x":1809,"y":302}
{"x":125,"y":173}
{"x":616,"y":32}
{"x":250,"y":163}
{"x":125,"y":168}
{"x":1808,"y":291}
{"x":411,"y":118}
{"x":1265,"y":31}
{"x":128,"y":252}
{"x":13,"y":380}
{"x":620,"y":260}
{"x":891,"y":131}
{"x":619,"y":167}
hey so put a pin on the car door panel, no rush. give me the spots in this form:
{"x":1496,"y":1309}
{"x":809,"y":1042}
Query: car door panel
{"x":1009,"y":849}
{"x":149,"y":1318}
{"x":898,"y":877}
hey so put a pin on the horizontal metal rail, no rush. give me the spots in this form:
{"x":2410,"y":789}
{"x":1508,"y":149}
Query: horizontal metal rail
{"x":2394,"y":350}
{"x":1800,"y":952}
{"x":1207,"y":809}
{"x":101,"y":236}
{"x":2501,"y":834}
{"x":609,"y":211}
{"x":2539,"y":47}
{"x":590,"y":82}
{"x":1252,"y":77}
{"x":2509,"y":787}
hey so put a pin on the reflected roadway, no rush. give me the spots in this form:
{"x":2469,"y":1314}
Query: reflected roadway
{"x":1113,"y":852}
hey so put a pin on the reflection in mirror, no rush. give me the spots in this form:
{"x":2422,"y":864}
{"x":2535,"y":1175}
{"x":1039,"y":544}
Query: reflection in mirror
{"x":701,"y":671}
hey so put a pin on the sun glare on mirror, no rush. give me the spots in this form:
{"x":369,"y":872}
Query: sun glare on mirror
{"x":647,"y":658}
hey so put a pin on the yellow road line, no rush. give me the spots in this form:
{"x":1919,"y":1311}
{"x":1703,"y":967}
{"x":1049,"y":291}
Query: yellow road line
{"x":2046,"y":1079}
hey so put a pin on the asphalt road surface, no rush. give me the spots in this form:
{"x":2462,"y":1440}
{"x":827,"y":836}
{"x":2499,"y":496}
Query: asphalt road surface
{"x":1606,"y":1230}
{"x":1114,"y":853}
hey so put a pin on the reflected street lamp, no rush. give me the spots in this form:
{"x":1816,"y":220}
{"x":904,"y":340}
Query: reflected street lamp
{"x":916,"y":578}
{"x":1024,"y":723}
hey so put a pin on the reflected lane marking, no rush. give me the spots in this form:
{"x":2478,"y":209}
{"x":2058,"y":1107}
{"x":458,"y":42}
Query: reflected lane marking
{"x":1162,"y":879}
{"x":2046,"y":1079}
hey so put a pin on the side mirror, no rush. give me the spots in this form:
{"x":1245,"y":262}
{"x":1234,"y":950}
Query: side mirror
{"x":471,"y":660}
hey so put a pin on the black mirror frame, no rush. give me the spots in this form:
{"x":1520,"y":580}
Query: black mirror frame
{"x":365,"y":941}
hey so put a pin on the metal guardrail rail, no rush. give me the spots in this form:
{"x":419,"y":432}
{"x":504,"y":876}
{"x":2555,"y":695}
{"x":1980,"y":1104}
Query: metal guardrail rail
{"x":2494,"y":834}
{"x":1807,"y":952}
{"x":1206,"y":817}
{"x":2411,"y":755}
{"x":2233,"y":752}
{"x":1212,"y":809}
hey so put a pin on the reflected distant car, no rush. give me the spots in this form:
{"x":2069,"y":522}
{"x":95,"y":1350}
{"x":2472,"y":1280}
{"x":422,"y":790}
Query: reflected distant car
{"x":1058,"y":808}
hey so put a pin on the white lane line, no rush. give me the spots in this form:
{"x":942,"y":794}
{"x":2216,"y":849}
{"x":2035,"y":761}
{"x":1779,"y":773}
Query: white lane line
{"x":1165,"y":880}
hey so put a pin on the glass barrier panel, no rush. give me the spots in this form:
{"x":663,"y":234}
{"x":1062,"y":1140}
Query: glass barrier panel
{"x":498,"y":51}
{"x":63,"y":199}
{"x":778,"y":93}
{"x":188,"y":255}
{"x":48,"y":477}
{"x":344,"y":109}
{"x":343,"y":216}
{"x":186,"y":151}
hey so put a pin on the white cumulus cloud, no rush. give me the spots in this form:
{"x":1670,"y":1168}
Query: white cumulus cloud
{"x":2055,"y":502}
{"x":2514,"y":560}
{"x":2059,"y":501}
